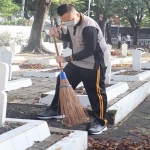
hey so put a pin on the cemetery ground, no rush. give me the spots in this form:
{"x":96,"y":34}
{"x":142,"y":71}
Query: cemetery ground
{"x":24,"y":103}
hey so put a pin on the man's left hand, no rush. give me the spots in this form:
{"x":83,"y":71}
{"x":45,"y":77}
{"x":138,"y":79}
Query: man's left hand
{"x":60,"y":59}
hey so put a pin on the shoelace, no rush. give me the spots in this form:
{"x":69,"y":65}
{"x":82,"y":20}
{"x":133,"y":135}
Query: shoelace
{"x":95,"y":125}
{"x":47,"y":110}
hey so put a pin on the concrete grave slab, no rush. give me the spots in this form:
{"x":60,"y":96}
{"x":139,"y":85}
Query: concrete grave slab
{"x":112,"y":92}
{"x":120,"y":60}
{"x":76,"y":140}
{"x":24,"y":136}
{"x":18,"y":58}
{"x":17,"y":83}
{"x":15,"y":67}
{"x":128,"y":103}
{"x":42,"y":73}
{"x":145,"y":65}
{"x":43,"y":61}
{"x":139,"y":77}
{"x":51,"y":47}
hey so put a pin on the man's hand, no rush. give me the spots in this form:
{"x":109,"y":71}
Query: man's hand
{"x":53,"y":32}
{"x":60,"y":59}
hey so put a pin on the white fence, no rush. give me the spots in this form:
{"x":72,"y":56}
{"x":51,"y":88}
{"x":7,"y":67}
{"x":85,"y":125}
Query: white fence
{"x":14,"y":30}
{"x":123,"y":40}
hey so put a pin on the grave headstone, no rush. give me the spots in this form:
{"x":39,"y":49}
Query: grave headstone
{"x":51,"y":47}
{"x":66,"y":52}
{"x":3,"y":96}
{"x":109,"y":47}
{"x":124,"y":49}
{"x":6,"y":56}
{"x":3,"y":48}
{"x":108,"y":73}
{"x":12,"y":47}
{"x":136,"y":56}
{"x":107,"y":54}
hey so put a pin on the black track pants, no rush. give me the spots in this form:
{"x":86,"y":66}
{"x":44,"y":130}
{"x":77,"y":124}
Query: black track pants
{"x":93,"y":81}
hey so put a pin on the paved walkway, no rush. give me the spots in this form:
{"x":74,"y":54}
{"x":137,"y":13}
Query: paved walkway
{"x":136,"y":125}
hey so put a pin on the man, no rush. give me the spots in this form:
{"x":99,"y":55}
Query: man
{"x":119,"y":41}
{"x":128,"y":39}
{"x":86,"y":63}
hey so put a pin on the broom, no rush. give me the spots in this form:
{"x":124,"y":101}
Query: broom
{"x":70,"y":104}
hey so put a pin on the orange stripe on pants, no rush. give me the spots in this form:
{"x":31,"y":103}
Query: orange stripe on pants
{"x":99,"y":95}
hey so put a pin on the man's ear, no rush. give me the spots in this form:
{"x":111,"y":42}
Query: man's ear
{"x":78,"y":15}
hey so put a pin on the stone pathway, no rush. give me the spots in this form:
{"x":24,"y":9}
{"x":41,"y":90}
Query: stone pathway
{"x":137,"y":123}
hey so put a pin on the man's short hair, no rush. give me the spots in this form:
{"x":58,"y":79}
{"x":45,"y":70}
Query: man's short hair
{"x":65,"y":8}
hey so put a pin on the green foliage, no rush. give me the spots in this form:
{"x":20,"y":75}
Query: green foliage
{"x":131,"y":10}
{"x":4,"y":38}
{"x":105,"y":7}
{"x":79,"y":4}
{"x":7,"y":8}
{"x":58,"y":2}
{"x":19,"y":38}
{"x":146,"y":19}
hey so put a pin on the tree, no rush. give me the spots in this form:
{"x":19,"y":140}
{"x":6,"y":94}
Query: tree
{"x":147,"y":2}
{"x":146,"y":19}
{"x":104,"y":10}
{"x":7,"y":8}
{"x":35,"y":42}
{"x":133,"y":11}
{"x":53,"y":14}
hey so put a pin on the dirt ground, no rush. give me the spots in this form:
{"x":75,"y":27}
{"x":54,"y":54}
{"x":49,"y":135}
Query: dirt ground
{"x":40,"y":85}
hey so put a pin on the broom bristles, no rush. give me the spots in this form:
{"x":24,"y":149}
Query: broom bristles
{"x":70,"y":105}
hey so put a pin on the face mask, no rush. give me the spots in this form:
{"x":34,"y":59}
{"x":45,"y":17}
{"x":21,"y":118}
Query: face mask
{"x":71,"y":23}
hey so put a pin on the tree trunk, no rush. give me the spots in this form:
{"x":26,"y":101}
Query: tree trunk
{"x":135,"y":27}
{"x":135,"y":38}
{"x":108,"y":27}
{"x":35,"y":41}
{"x":55,"y":20}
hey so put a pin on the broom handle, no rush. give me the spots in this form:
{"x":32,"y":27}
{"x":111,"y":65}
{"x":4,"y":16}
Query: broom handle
{"x":57,"y":52}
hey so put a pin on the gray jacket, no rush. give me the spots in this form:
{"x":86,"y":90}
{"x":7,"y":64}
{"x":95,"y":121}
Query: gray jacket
{"x":89,"y":46}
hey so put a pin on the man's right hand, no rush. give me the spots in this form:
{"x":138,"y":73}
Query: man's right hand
{"x":53,"y":32}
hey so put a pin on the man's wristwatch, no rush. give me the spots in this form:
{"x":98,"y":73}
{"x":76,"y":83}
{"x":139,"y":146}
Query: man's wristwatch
{"x":67,"y":59}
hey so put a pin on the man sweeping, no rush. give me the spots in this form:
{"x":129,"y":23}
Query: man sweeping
{"x":87,"y":63}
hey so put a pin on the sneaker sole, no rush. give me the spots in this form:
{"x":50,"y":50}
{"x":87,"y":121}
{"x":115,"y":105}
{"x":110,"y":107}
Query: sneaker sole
{"x":56,"y":117}
{"x":105,"y":129}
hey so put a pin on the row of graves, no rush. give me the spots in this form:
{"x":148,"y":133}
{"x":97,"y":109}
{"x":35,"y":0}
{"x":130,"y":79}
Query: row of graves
{"x":126,"y":89}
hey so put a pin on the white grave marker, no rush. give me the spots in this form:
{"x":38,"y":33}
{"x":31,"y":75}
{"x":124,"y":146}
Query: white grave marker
{"x":66,"y":52}
{"x":6,"y":56}
{"x":136,"y":56}
{"x":124,"y":49}
{"x":3,"y":48}
{"x":12,"y":47}
{"x":108,"y":63}
{"x":108,"y":73}
{"x":109,"y":47}
{"x":3,"y":96}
